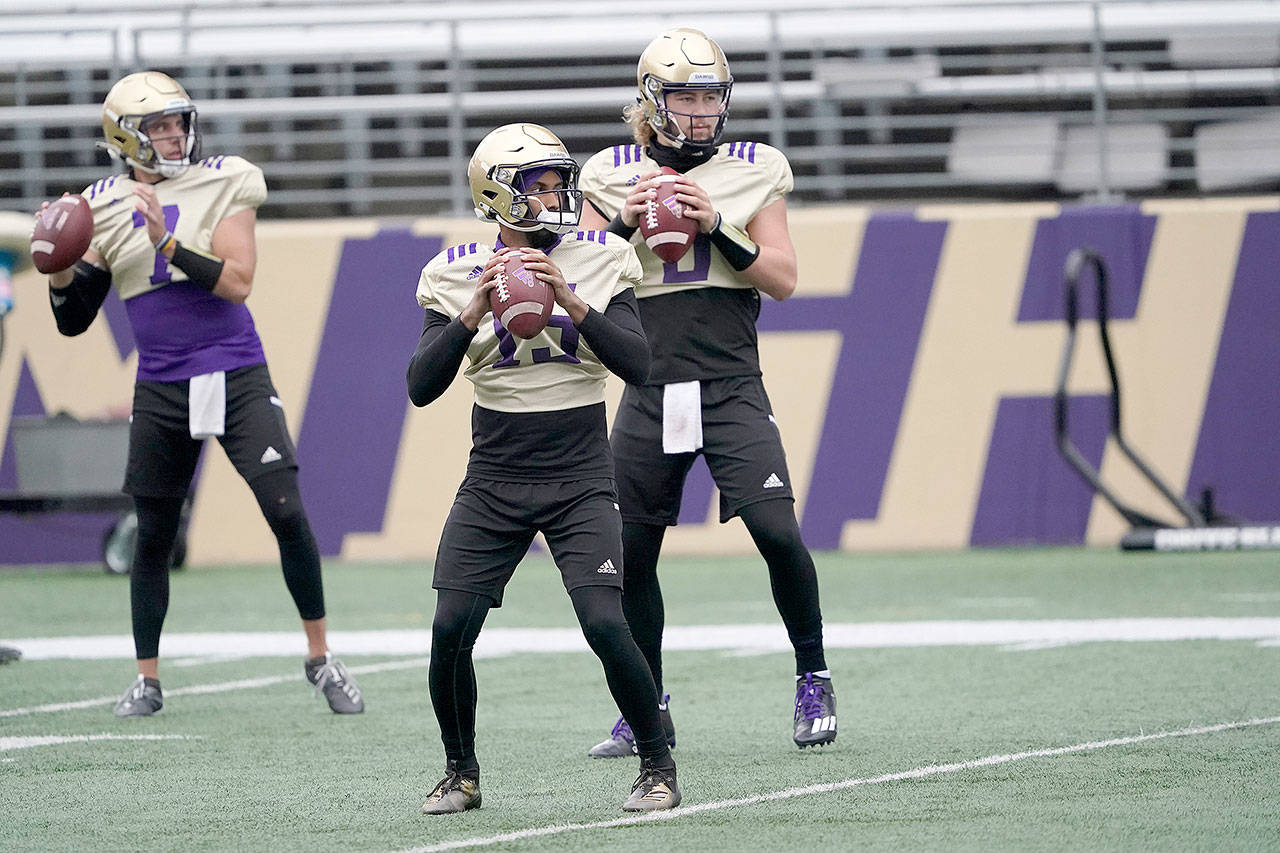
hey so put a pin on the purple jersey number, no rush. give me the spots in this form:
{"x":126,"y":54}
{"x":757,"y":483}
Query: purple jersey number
{"x":701,"y":250}
{"x":508,"y":342}
{"x":162,"y":274}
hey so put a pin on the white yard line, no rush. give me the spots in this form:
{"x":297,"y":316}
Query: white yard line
{"x":1014,"y":635}
{"x":217,"y":687}
{"x":11,"y":743}
{"x":762,"y":638}
{"x":828,"y":787}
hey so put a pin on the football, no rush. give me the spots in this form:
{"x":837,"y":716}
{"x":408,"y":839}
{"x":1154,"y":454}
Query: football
{"x":520,"y":300}
{"x":665,"y":228}
{"x":62,"y":234}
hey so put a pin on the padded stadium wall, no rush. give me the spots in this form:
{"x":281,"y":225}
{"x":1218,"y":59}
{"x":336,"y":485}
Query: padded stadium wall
{"x":911,"y":375}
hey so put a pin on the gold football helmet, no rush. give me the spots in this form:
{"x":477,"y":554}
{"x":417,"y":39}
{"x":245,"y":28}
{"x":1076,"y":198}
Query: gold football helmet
{"x":682,"y":59}
{"x":506,"y":162}
{"x":130,"y":105}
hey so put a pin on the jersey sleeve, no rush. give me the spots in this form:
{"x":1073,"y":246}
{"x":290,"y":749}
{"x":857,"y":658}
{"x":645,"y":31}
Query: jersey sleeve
{"x":778,"y":171}
{"x":593,"y":181}
{"x":427,"y":284}
{"x":250,"y":188}
{"x":632,"y":273}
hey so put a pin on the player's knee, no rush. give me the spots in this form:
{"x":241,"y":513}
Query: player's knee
{"x":286,"y":517}
{"x":605,"y":631}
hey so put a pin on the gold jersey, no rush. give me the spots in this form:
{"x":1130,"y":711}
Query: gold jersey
{"x":742,"y":178}
{"x":557,"y":369}
{"x":194,"y":203}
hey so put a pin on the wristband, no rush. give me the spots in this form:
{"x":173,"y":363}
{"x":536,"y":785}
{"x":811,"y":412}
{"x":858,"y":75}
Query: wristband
{"x":165,"y":241}
{"x":739,"y":250}
{"x":202,"y":270}
{"x":617,"y":226}
{"x":734,"y":244}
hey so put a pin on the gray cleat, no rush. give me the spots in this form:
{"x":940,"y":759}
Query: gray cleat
{"x":622,"y":743}
{"x":453,"y":794}
{"x":142,"y":699}
{"x":332,"y":679}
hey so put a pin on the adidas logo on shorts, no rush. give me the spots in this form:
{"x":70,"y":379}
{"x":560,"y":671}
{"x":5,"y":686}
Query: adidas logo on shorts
{"x":774,"y":482}
{"x":607,"y":568}
{"x":270,"y":455}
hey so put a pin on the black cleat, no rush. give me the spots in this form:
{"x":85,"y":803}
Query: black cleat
{"x":815,"y":717}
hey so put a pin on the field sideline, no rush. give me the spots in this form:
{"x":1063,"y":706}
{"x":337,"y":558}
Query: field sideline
{"x":1045,"y":699}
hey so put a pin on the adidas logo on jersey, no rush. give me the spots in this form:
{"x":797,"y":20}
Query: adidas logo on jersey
{"x":824,"y":724}
{"x":270,"y":455}
{"x":632,"y":181}
{"x":607,"y":568}
{"x":475,"y":273}
{"x":774,"y":482}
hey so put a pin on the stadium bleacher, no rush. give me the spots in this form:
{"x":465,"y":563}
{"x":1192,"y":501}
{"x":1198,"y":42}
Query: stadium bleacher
{"x":371,"y":108}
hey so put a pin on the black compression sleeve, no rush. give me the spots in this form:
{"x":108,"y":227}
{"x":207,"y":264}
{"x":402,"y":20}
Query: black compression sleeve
{"x":617,"y":226}
{"x":203,"y":270}
{"x":734,"y":244}
{"x":435,"y":362}
{"x":75,"y":305}
{"x":617,"y":338}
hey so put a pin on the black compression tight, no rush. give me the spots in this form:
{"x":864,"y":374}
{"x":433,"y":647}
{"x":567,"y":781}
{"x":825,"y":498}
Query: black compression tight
{"x":773,"y":527}
{"x":158,"y":521}
{"x":458,"y":619}
{"x":281,"y":505}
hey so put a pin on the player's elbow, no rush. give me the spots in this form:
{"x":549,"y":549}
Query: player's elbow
{"x":418,"y":397}
{"x":783,"y":289}
{"x":71,"y":328}
{"x":420,"y":392}
{"x":235,"y":290}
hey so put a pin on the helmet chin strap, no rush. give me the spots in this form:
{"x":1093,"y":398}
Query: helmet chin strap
{"x":543,"y":238}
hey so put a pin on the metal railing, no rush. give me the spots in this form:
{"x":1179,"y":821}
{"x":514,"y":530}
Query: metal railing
{"x":372,"y":109}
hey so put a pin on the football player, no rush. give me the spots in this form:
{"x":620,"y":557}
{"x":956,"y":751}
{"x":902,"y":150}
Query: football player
{"x":540,"y":458}
{"x":175,"y":235}
{"x":704,"y":394}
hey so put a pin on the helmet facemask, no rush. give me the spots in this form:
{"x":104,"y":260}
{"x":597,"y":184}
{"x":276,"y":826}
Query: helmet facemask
{"x":512,"y":204}
{"x":134,"y":103}
{"x":661,"y":115}
{"x":147,"y":157}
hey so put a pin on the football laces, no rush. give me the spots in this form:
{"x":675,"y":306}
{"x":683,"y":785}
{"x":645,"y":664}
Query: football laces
{"x":504,"y":293}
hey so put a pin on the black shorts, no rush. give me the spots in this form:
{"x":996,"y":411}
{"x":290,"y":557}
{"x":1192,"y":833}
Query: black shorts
{"x":740,"y":441}
{"x":492,"y":524}
{"x":163,"y":455}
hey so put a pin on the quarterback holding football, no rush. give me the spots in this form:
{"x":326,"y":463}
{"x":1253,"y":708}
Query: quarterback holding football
{"x":540,"y":459}
{"x":174,"y":234}
{"x":704,"y":394}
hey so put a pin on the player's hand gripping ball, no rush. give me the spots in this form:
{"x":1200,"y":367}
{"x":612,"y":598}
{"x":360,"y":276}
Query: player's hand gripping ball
{"x":62,"y":234}
{"x":665,"y":228}
{"x":520,"y":300}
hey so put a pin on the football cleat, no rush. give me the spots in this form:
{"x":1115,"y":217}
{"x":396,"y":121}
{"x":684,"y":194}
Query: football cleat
{"x":142,"y":699}
{"x":333,"y":681}
{"x":654,"y":789}
{"x":622,"y":743}
{"x":815,"y":717}
{"x":453,"y":794}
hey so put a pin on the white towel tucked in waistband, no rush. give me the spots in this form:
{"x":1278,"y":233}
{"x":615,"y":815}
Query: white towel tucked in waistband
{"x":207,"y":405}
{"x":681,"y":417}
